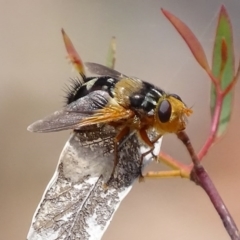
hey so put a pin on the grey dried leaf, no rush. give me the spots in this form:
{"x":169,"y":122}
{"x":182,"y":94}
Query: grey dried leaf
{"x":75,"y":204}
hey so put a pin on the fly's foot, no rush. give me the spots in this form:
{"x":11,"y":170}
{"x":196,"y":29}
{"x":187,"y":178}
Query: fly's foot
{"x":155,"y":158}
{"x":106,"y":185}
{"x":141,"y":177}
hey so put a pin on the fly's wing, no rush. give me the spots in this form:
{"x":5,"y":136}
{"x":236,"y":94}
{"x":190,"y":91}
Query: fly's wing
{"x":96,"y":107}
{"x":75,"y":205}
{"x":101,"y":70}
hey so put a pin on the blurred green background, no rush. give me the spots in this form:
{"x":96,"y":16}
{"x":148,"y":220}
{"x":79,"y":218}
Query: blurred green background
{"x":32,"y":77}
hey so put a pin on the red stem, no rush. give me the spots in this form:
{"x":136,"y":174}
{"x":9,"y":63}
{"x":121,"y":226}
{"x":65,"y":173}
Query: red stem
{"x":214,"y":126}
{"x":214,"y":80}
{"x":200,"y":175}
{"x":174,"y":164}
{"x":233,"y":82}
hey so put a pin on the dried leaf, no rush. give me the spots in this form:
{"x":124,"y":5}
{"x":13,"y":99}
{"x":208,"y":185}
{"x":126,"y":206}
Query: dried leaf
{"x":223,"y":68}
{"x":75,"y":204}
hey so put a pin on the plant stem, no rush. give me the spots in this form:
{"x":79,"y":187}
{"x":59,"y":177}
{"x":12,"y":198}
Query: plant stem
{"x":233,"y":82}
{"x":186,"y":141}
{"x":200,"y":176}
{"x":214,"y":127}
{"x":174,"y":164}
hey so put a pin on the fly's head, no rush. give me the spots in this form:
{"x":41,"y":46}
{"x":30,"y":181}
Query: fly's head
{"x":171,"y":114}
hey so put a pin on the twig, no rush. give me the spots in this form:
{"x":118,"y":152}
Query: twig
{"x":205,"y":182}
{"x":200,"y":177}
{"x":214,"y":127}
{"x":174,"y":164}
{"x":186,"y":141}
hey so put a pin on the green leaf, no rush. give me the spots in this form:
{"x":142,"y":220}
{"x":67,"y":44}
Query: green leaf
{"x":223,"y":69}
{"x":111,"y":56}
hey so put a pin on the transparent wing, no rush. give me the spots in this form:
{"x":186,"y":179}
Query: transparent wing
{"x":101,"y":70}
{"x":96,"y":107}
{"x":75,"y":205}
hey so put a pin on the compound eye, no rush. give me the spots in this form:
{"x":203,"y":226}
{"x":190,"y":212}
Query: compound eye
{"x":175,"y":96}
{"x":164,"y":111}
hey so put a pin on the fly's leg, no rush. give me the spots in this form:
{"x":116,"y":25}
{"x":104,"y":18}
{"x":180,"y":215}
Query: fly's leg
{"x":141,"y":177}
{"x":150,"y":143}
{"x":166,"y":174}
{"x":117,"y":139}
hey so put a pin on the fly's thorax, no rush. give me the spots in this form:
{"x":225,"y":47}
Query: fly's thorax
{"x":78,"y":89}
{"x":171,"y":114}
{"x":125,"y":88}
{"x":144,"y":99}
